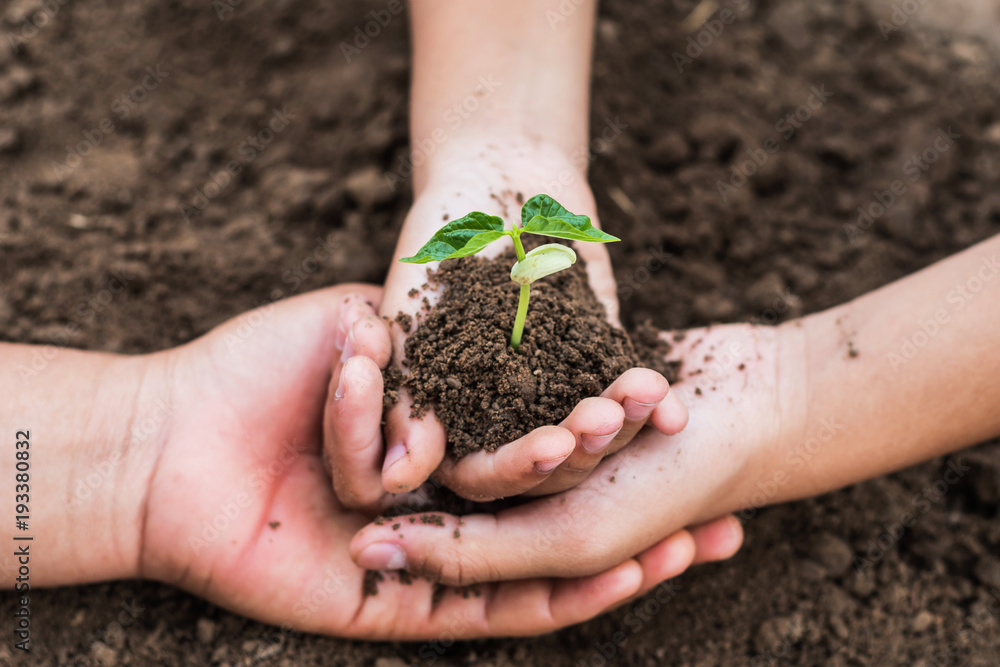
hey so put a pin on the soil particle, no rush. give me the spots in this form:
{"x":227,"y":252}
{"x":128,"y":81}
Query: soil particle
{"x":369,"y":586}
{"x":404,"y":320}
{"x":483,"y":392}
{"x":206,"y":630}
{"x":779,"y":631}
{"x":274,"y":525}
{"x":432,"y":519}
{"x":987,"y":571}
{"x":832,"y":553}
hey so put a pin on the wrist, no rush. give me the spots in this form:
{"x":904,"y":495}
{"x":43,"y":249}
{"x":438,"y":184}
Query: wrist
{"x":741,"y":387}
{"x":120,"y":448}
{"x":483,"y":162}
{"x":94,"y":435}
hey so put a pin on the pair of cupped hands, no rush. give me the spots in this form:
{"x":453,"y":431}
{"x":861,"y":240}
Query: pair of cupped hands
{"x":283,"y":433}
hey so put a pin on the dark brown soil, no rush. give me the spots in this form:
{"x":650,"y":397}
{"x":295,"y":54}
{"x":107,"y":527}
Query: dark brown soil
{"x":461,"y":365}
{"x":776,"y":249}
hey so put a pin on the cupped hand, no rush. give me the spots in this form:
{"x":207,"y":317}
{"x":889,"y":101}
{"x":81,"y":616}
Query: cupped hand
{"x":240,"y":510}
{"x":547,"y":460}
{"x":650,"y":489}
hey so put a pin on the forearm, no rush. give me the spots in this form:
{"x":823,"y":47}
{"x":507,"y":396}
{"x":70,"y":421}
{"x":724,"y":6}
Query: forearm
{"x":896,"y":377}
{"x":85,"y":416}
{"x":489,"y":73}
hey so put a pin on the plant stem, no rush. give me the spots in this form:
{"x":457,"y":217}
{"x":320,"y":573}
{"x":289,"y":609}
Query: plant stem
{"x":522,"y":314}
{"x":518,"y":248}
{"x":522,"y":304}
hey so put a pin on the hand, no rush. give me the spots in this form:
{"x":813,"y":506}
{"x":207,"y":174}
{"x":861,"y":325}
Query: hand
{"x":549,"y":459}
{"x":652,"y":488}
{"x":238,"y":508}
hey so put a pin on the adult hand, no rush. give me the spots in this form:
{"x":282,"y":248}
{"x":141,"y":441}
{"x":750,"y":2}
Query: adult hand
{"x":238,"y":508}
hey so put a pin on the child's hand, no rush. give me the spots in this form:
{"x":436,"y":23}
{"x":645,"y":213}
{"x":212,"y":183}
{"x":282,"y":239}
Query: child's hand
{"x":651,"y":488}
{"x":548,"y":460}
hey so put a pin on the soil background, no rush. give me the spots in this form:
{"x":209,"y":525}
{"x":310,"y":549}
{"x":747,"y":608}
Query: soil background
{"x":776,"y":249}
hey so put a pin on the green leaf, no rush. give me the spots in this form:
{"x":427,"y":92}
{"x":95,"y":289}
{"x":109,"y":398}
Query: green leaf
{"x":460,"y":238}
{"x":544,"y":216}
{"x":542,"y":261}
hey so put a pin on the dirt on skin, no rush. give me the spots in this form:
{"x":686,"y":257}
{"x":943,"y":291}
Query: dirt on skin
{"x":460,"y":363}
{"x":313,"y":209}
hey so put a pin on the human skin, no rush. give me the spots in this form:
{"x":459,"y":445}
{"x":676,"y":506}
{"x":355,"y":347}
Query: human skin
{"x":499,"y":113}
{"x":202,"y":467}
{"x":898,"y":376}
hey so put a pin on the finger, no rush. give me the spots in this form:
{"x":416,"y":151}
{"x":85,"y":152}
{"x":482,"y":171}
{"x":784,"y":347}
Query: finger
{"x":414,"y":447}
{"x":469,"y":552}
{"x":560,"y":603}
{"x":670,"y":416}
{"x":509,"y":470}
{"x":352,"y":442}
{"x":665,"y":560}
{"x":639,"y":391}
{"x":717,"y":540}
{"x":519,"y":608}
{"x":594,"y":423}
{"x":352,"y":433}
{"x":369,"y":337}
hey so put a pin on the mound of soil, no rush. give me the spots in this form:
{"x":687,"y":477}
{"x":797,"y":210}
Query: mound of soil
{"x":461,"y":365}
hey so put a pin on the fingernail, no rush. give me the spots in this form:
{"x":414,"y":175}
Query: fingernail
{"x":342,"y":385}
{"x":349,"y":347}
{"x":394,"y":454}
{"x":545,"y":467}
{"x":349,"y":314}
{"x":637,"y":411}
{"x":382,"y":556}
{"x":595,"y":444}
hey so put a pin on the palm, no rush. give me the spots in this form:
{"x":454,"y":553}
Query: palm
{"x":240,"y":510}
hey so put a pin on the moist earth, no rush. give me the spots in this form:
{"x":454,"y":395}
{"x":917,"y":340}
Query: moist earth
{"x":460,"y":364}
{"x":313,"y":208}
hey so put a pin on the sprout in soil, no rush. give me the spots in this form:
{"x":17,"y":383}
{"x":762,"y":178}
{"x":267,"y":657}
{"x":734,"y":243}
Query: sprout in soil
{"x":541,"y":215}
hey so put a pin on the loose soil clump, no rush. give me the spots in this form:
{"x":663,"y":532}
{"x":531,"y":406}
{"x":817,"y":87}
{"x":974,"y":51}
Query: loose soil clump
{"x":485,"y":394}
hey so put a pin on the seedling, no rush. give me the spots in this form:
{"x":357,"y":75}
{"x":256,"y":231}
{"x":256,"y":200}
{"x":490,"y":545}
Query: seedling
{"x":541,"y":215}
